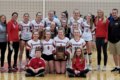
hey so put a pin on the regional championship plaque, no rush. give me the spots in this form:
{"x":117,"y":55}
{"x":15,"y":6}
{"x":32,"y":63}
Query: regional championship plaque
{"x":60,"y":52}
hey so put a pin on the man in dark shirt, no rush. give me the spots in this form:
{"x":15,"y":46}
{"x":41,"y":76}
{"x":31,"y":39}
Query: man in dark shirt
{"x":114,"y":39}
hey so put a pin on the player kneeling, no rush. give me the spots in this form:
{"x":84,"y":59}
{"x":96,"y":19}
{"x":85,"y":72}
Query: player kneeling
{"x":36,"y":66}
{"x":78,"y":64}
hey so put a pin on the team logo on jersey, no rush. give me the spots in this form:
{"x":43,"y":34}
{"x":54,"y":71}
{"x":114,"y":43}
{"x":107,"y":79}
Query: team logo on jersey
{"x":13,"y":25}
{"x":40,"y":62}
{"x":116,"y":23}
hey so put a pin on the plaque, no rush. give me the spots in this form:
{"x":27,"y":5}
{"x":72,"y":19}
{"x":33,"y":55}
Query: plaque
{"x":60,"y":52}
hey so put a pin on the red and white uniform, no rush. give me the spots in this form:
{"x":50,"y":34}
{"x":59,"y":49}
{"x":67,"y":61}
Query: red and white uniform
{"x":78,"y":64}
{"x":72,"y":34}
{"x":47,"y":22}
{"x":87,"y":32}
{"x":61,"y":42}
{"x":73,"y":44}
{"x":35,"y":25}
{"x":47,"y":47}
{"x":32,"y":45}
{"x":80,"y":20}
{"x":36,"y":63}
{"x":25,"y":30}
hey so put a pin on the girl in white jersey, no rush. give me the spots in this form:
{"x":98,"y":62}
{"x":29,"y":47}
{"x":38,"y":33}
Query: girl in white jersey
{"x":35,"y":23}
{"x":33,"y":44}
{"x":63,"y":41}
{"x":76,"y":17}
{"x":50,"y":18}
{"x":77,"y":41}
{"x":74,"y":26}
{"x":88,"y":33}
{"x":53,"y":29}
{"x":47,"y":46}
{"x":24,"y":27}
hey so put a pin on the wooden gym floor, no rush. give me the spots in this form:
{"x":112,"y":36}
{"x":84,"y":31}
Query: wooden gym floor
{"x":92,"y":75}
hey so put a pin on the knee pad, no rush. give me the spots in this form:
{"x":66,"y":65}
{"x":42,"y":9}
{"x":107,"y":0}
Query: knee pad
{"x":90,"y":56}
{"x":21,"y":52}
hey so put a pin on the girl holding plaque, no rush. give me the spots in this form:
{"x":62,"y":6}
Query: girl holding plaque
{"x":61,"y":51}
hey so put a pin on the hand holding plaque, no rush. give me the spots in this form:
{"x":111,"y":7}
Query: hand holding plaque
{"x":60,"y":52}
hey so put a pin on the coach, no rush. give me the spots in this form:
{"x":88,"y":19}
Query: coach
{"x":114,"y":39}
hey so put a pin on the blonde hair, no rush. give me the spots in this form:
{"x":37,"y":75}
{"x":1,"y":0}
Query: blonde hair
{"x":43,"y":37}
{"x":76,"y":29}
{"x":104,"y":18}
{"x":75,"y":22}
{"x":76,"y":10}
{"x":81,"y":56}
{"x":61,"y":28}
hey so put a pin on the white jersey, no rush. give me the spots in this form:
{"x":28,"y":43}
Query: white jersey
{"x":35,"y":25}
{"x":47,"y":46}
{"x":47,"y":22}
{"x":61,"y":42}
{"x":73,"y":44}
{"x":80,"y":20}
{"x":25,"y":30}
{"x":32,"y":46}
{"x":72,"y":34}
{"x":87,"y":32}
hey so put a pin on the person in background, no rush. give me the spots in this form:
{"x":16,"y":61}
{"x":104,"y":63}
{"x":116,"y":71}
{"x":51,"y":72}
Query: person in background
{"x":36,"y":66}
{"x":55,"y":16}
{"x":114,"y":39}
{"x":3,"y":40}
{"x":13,"y":41}
{"x":81,"y":15}
{"x":78,"y":64}
{"x":111,"y":17}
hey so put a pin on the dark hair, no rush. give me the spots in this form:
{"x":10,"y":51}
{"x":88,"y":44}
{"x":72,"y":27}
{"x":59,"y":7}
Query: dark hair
{"x":38,"y":13}
{"x":5,"y":18}
{"x":38,"y":49}
{"x":115,"y":9}
{"x":66,"y":13}
{"x":15,"y":13}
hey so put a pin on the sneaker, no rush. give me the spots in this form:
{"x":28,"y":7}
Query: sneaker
{"x":86,"y":66}
{"x":97,"y":68}
{"x":90,"y":67}
{"x":104,"y":68}
{"x":119,"y":71}
{"x":42,"y":73}
{"x":10,"y":69}
{"x":2,"y":69}
{"x":15,"y":67}
{"x":28,"y":75}
{"x":71,"y":75}
{"x":115,"y":70}
{"x":21,"y":66}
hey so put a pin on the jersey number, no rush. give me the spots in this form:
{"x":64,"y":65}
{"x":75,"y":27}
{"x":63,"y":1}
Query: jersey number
{"x":86,"y":30}
{"x":48,"y":47}
{"x":27,"y":30}
{"x":38,"y":47}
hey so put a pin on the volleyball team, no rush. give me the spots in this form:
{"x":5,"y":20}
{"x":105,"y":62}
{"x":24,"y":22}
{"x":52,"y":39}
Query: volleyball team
{"x":40,"y":39}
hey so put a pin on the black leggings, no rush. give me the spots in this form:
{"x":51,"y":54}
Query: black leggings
{"x":3,"y":49}
{"x":32,"y":73}
{"x":81,"y":72}
{"x":16,"y":48}
{"x":100,"y":43}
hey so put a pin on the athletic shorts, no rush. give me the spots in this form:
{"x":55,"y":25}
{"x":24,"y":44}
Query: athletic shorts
{"x":24,"y":40}
{"x":114,"y":48}
{"x":47,"y":57}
